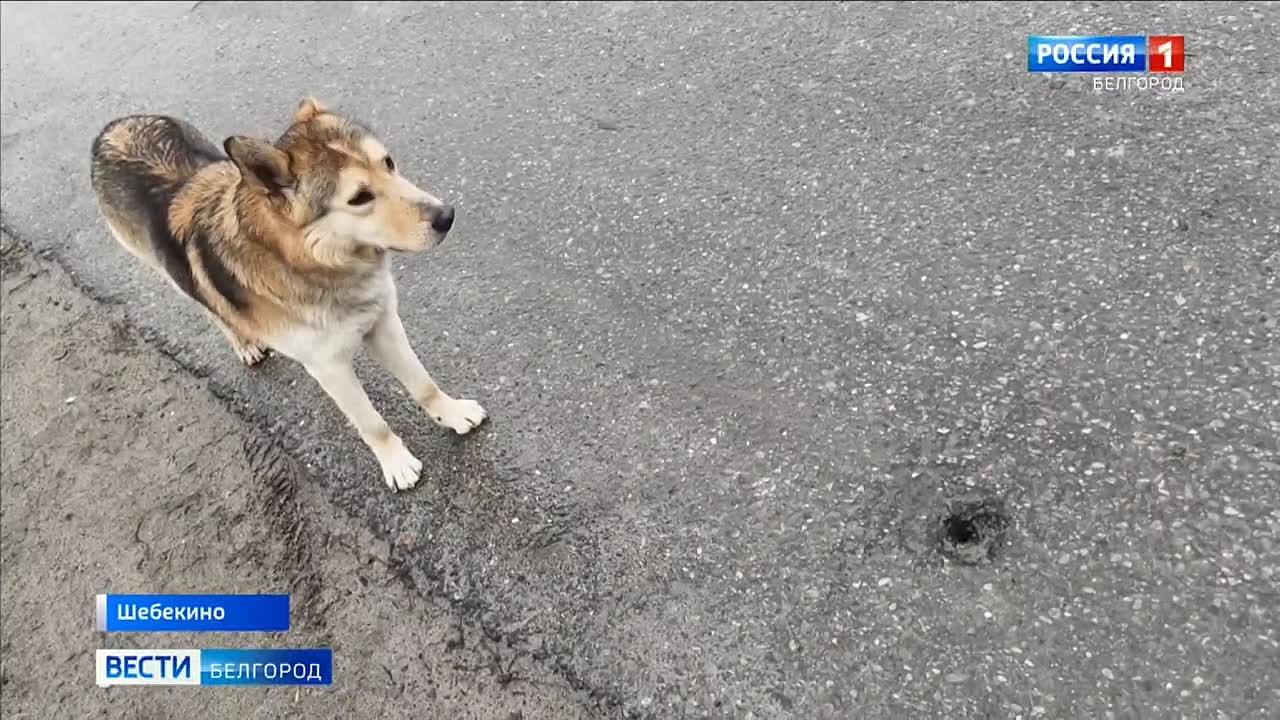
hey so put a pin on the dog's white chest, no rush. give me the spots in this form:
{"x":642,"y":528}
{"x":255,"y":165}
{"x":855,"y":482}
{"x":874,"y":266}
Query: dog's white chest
{"x":335,"y":326}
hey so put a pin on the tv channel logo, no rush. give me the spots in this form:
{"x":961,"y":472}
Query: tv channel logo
{"x":1166,"y":53}
{"x":216,"y":667}
{"x":148,"y":667}
{"x":1105,"y":53}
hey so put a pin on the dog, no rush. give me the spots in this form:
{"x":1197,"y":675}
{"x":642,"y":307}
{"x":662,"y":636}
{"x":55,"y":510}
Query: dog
{"x":285,"y":246}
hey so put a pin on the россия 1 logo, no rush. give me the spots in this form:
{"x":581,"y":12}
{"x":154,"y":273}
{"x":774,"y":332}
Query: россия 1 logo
{"x":1110,"y":54}
{"x":1167,"y":54}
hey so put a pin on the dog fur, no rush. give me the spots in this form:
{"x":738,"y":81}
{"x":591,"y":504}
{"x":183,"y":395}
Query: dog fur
{"x":285,"y":245}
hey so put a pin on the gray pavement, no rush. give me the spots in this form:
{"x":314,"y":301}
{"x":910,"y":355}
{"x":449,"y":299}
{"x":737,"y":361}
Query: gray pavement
{"x":757,"y":298}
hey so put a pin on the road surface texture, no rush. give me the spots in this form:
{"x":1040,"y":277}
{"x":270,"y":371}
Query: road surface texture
{"x":838,"y":367}
{"x":94,"y":422}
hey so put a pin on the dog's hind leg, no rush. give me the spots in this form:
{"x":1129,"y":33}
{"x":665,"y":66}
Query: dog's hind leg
{"x":136,"y":242}
{"x":249,"y":352}
{"x":389,"y":345}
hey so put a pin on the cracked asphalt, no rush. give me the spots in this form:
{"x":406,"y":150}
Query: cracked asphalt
{"x":756,"y":298}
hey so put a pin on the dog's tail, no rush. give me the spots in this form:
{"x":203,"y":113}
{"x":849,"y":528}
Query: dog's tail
{"x":139,"y":163}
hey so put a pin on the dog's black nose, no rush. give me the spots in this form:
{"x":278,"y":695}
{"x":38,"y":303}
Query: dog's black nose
{"x":443,"y":219}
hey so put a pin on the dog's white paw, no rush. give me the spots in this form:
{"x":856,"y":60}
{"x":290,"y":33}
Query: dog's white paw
{"x":249,"y":353}
{"x":400,"y":468}
{"x":460,"y":416}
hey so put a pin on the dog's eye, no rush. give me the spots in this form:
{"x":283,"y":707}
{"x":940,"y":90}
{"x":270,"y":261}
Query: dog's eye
{"x":364,"y":197}
{"x":391,"y":164}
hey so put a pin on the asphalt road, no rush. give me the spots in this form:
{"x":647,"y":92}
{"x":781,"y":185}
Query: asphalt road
{"x":757,"y":297}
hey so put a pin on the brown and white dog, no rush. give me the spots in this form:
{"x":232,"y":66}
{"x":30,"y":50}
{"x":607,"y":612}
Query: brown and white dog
{"x":285,"y":246}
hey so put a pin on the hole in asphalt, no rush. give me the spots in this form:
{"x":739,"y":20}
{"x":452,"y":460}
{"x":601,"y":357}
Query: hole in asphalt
{"x":961,"y":531}
{"x":972,"y":532}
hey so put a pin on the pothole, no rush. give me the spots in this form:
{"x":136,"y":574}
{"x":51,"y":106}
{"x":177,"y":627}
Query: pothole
{"x":972,"y":532}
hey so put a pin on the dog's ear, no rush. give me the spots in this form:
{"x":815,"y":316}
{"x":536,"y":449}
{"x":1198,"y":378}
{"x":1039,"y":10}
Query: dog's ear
{"x":260,"y":162}
{"x":308,"y":109}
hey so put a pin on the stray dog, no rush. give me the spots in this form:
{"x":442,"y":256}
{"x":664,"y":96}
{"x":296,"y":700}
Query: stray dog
{"x":285,"y":247}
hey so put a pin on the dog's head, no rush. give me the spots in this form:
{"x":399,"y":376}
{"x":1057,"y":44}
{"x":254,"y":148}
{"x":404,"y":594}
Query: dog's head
{"x":336,"y":183}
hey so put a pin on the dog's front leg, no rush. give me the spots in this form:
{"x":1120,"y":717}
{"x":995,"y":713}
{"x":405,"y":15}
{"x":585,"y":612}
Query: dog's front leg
{"x":389,"y":345}
{"x":338,"y":378}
